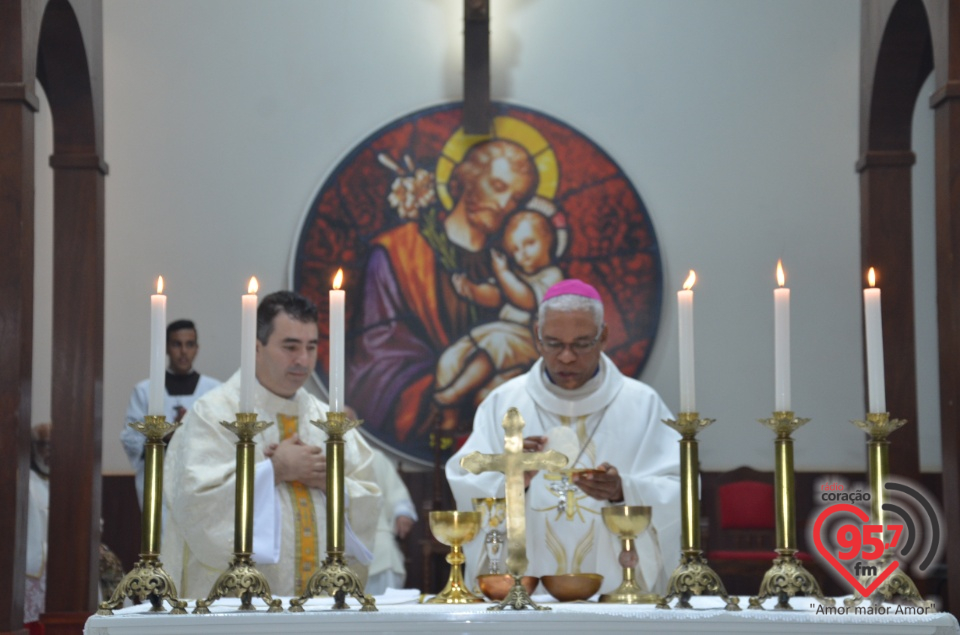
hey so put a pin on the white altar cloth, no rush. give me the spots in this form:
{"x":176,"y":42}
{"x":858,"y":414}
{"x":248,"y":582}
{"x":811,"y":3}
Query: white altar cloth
{"x":399,"y":613}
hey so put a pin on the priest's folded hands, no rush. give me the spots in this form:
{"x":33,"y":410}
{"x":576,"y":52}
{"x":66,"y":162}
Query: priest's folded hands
{"x":295,"y":461}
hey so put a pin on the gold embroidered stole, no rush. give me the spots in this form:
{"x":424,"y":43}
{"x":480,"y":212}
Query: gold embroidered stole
{"x":306,"y":552}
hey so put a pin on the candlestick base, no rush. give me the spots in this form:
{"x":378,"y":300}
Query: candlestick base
{"x":242,"y":580}
{"x":898,"y":587}
{"x":695,"y":577}
{"x":785,"y":579}
{"x":517,"y":598}
{"x":146,"y":581}
{"x":335,"y":579}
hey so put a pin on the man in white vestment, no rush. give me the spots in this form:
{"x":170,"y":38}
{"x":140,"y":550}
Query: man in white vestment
{"x":289,"y":541}
{"x":396,"y":519}
{"x":182,"y":386}
{"x":574,"y":398}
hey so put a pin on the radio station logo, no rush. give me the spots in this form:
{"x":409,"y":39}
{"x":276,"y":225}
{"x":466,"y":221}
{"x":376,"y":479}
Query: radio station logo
{"x":865,"y":553}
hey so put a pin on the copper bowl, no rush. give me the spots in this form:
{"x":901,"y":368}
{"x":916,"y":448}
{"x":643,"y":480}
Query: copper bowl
{"x":570,"y":587}
{"x":495,"y":585}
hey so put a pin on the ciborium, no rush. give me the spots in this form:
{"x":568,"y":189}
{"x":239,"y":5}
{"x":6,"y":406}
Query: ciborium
{"x":454,"y":529}
{"x":627,"y":522}
{"x":493,"y":516}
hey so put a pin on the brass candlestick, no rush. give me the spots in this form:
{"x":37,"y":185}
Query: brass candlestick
{"x":334,"y":577}
{"x":242,"y":579}
{"x":147,"y":580}
{"x":787,"y":577}
{"x":454,"y":529}
{"x":898,"y":585}
{"x":693,"y":576}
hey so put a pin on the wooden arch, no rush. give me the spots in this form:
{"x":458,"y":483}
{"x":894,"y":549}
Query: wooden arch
{"x":59,"y":43}
{"x":902,"y":41}
{"x":902,"y":62}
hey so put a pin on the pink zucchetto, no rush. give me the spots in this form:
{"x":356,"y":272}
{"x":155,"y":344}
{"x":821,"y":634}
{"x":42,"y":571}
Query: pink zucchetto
{"x":572,"y":286}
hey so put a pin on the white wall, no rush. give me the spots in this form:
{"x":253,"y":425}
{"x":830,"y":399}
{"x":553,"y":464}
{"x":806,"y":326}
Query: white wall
{"x":925,"y":284}
{"x":736,"y":121}
{"x":43,"y":263}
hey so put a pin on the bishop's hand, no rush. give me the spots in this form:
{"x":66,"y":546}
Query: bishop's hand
{"x":603,"y":484}
{"x":295,"y":461}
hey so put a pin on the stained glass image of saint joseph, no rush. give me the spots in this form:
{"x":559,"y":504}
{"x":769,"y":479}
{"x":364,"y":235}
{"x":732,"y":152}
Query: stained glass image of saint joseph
{"x":452,"y":267}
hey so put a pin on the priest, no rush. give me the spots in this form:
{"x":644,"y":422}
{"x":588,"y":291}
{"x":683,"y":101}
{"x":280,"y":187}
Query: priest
{"x":575,"y":400}
{"x":289,"y":538}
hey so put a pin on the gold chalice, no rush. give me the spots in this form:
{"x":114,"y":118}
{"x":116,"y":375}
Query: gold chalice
{"x":454,"y":529}
{"x":628,"y":522}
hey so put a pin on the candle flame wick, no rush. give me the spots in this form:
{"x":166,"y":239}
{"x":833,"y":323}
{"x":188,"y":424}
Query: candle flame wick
{"x":159,"y":285}
{"x":781,"y":279}
{"x":254,"y":286}
{"x":872,"y":277}
{"x":690,"y":281}
{"x":338,"y":279}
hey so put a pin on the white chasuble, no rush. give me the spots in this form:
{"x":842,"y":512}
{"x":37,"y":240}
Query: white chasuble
{"x":614,"y":419}
{"x":289,"y":518}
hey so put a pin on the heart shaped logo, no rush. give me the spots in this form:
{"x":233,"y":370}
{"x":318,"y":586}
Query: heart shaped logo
{"x":832,"y":559}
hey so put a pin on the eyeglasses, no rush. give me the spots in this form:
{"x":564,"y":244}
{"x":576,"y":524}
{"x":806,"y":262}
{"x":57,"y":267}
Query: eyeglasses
{"x":577,"y":347}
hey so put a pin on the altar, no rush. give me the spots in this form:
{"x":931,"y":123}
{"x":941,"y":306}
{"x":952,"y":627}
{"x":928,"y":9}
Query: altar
{"x":400,"y":612}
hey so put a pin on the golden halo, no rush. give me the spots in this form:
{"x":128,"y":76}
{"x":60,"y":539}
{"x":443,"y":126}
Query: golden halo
{"x":507,"y":128}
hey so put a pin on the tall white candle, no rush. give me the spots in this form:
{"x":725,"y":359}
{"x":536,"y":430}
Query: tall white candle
{"x":781,"y":347}
{"x":876,"y":388}
{"x":337,"y":306}
{"x":248,"y":346}
{"x":688,"y":402}
{"x":158,"y":350}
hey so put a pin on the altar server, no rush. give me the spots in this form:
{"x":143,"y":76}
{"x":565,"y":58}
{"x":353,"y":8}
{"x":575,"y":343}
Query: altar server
{"x":182,"y":386}
{"x":574,"y":398}
{"x":396,"y":520}
{"x":290,"y":480}
{"x":38,"y":511}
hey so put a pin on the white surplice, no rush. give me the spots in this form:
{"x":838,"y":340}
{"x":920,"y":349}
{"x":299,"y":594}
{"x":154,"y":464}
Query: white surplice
{"x":38,"y":511}
{"x":565,"y":531}
{"x":387,"y":569}
{"x":134,"y":441}
{"x":199,"y":489}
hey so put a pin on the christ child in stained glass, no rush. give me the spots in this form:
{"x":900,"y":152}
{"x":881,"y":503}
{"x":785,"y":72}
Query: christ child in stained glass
{"x":494,"y":352}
